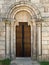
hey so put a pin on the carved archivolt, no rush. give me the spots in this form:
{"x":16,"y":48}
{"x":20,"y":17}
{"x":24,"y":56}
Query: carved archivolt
{"x":26,"y":6}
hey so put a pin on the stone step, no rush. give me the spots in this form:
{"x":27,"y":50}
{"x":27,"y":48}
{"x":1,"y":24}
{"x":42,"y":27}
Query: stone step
{"x":24,"y":61}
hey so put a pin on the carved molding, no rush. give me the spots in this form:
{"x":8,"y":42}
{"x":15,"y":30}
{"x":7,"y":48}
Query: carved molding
{"x":27,"y":6}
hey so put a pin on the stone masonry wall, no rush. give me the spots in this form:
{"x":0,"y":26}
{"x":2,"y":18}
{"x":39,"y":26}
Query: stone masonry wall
{"x":2,"y":40}
{"x":45,"y":41}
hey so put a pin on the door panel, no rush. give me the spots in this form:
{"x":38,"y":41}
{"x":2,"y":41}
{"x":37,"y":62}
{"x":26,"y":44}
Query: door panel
{"x":27,"y":41}
{"x":23,"y":40}
{"x":18,"y":41}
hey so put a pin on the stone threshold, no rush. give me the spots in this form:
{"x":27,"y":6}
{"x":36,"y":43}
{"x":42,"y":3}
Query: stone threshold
{"x":24,"y":61}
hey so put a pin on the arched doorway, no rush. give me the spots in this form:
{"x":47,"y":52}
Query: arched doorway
{"x":23,"y":34}
{"x":23,"y":12}
{"x":23,"y":40}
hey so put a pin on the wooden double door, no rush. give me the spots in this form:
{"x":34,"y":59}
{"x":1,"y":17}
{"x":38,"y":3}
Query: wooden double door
{"x":23,"y":40}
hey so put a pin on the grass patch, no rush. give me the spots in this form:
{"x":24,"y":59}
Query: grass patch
{"x":44,"y":63}
{"x":5,"y":62}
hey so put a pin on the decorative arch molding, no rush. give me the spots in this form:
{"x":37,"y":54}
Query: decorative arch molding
{"x":27,"y":6}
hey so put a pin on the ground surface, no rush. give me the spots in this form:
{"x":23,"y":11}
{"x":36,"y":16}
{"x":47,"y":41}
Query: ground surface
{"x":24,"y":61}
{"x":5,"y":62}
{"x":44,"y":63}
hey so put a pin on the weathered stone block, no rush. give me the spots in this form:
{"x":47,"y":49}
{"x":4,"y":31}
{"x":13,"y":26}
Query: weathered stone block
{"x":48,"y":46}
{"x":2,"y":24}
{"x":48,"y":42}
{"x":1,"y":1}
{"x":44,"y":42}
{"x":44,"y":57}
{"x":45,"y":52}
{"x":45,"y":34}
{"x":45,"y":24}
{"x":45,"y":29}
{"x":45,"y":38}
{"x":2,"y":42}
{"x":2,"y":29}
{"x":44,"y":47}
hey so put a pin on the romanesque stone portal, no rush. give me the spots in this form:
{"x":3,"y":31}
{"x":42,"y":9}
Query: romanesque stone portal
{"x":33,"y":12}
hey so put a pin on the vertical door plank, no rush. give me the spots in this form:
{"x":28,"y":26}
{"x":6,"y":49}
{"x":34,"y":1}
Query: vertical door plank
{"x":18,"y":41}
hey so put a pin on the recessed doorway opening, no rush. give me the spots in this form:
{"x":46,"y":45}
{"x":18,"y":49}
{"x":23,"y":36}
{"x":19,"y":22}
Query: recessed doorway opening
{"x":23,"y":40}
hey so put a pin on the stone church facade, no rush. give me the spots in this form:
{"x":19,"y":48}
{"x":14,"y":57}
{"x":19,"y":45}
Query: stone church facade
{"x":33,"y":12}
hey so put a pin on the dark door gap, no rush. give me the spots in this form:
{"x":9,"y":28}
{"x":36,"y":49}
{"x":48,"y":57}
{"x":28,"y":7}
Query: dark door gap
{"x":22,"y":40}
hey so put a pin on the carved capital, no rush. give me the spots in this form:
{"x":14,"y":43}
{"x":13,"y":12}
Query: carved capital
{"x":39,"y":24}
{"x":7,"y":22}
